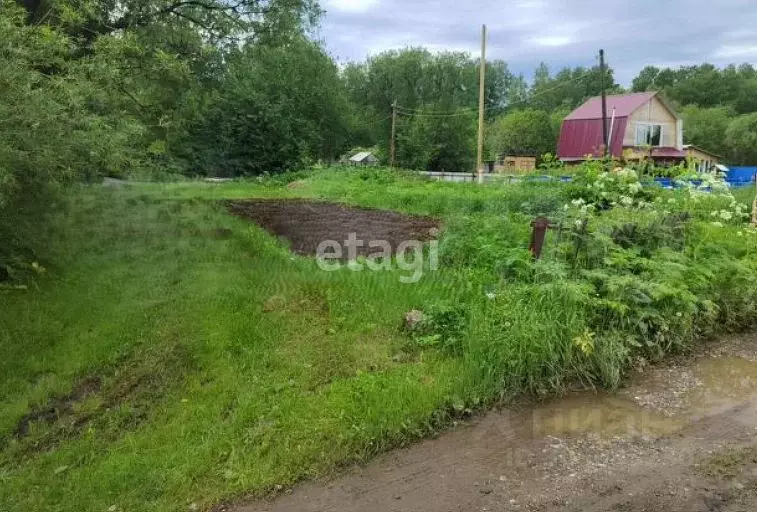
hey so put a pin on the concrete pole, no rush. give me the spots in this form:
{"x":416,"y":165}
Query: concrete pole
{"x":481,"y":93}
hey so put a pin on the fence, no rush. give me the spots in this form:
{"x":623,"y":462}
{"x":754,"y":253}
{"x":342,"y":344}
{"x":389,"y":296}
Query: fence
{"x":736,"y":177}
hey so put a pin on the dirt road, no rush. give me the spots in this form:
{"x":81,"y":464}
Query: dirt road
{"x":681,"y":436}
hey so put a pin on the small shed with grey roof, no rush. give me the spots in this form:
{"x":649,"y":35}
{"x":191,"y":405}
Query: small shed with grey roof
{"x":364,"y":158}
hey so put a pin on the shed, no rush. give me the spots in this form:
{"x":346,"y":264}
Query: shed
{"x":363,"y":158}
{"x":509,"y":163}
{"x":705,"y":160}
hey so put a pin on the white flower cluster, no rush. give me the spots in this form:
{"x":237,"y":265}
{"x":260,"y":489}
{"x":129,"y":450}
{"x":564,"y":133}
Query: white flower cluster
{"x":621,"y":187}
{"x":737,"y":212}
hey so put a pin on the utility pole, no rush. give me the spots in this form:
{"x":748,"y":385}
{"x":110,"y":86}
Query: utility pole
{"x":481,"y":92}
{"x":392,"y":148}
{"x":604,"y":101}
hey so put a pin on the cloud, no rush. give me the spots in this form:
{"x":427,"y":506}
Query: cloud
{"x":558,"y":32}
{"x":350,"y":5}
{"x":551,"y":40}
{"x":735,"y":51}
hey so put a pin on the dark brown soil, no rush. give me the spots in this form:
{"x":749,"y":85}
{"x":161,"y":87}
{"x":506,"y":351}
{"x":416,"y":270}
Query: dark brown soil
{"x":305,"y":224}
{"x":60,"y":406}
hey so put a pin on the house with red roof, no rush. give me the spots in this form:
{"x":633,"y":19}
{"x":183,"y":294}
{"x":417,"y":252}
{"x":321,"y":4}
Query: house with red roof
{"x":639,"y":125}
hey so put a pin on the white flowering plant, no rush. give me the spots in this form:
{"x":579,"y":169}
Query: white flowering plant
{"x":709,"y":198}
{"x":596,"y":190}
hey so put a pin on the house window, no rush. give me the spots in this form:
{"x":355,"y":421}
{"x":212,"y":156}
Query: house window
{"x":648,"y":134}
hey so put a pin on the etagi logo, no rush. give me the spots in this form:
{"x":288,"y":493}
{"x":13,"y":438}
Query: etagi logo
{"x":407,"y":256}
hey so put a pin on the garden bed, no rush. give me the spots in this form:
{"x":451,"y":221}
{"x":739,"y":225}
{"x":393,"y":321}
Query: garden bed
{"x":305,"y":224}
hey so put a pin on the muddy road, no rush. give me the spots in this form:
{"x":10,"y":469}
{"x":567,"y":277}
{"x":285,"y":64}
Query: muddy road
{"x":681,"y":436}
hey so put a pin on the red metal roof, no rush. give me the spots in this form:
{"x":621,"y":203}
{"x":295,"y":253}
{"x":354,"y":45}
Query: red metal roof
{"x":582,"y":137}
{"x":666,"y":152}
{"x":624,"y":105}
{"x":660,"y":151}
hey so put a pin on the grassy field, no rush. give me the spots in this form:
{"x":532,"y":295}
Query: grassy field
{"x":172,"y":354}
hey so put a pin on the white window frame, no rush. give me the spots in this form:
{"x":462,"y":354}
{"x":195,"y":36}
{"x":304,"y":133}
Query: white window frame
{"x":649,"y":124}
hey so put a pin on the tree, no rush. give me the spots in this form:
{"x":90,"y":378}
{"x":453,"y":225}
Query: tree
{"x":741,"y":136}
{"x":218,"y":20}
{"x":706,"y":127}
{"x":704,"y":85}
{"x":276,"y":109}
{"x":569,"y":87}
{"x":430,"y":83}
{"x":50,"y":134}
{"x":527,"y":132}
{"x":437,"y":143}
{"x":645,"y":80}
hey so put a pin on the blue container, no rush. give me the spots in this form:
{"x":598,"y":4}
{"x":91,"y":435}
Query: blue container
{"x":664,"y":182}
{"x":741,"y":174}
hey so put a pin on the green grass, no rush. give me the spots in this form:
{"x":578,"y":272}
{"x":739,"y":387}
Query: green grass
{"x":255,"y":396}
{"x":229,"y":366}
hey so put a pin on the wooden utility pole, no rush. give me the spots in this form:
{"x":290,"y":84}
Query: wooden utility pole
{"x":392,"y":148}
{"x":604,"y":101}
{"x":481,"y":92}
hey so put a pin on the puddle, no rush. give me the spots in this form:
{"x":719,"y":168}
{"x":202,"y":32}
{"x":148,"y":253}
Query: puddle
{"x":601,"y":414}
{"x":725,"y":382}
{"x":658,"y":405}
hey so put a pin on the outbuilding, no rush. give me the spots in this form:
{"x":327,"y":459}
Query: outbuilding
{"x":364,"y":158}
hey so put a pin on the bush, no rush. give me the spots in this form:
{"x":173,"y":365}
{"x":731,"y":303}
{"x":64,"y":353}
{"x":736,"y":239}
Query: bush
{"x":634,"y":271}
{"x":440,"y":326}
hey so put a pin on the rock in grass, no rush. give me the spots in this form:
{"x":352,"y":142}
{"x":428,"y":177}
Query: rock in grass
{"x":414,"y":319}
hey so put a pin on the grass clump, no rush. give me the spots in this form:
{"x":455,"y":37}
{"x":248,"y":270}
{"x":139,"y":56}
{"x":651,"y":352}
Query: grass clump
{"x":227,"y":366}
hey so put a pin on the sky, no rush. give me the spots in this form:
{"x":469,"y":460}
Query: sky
{"x":634,"y":33}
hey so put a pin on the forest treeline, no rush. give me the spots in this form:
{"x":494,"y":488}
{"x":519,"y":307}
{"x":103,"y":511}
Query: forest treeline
{"x":152,"y":88}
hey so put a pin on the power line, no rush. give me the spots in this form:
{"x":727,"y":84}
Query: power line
{"x":407,"y":111}
{"x":461,"y":112}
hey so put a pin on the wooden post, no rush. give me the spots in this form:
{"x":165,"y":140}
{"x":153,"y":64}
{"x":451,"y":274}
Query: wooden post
{"x":604,"y":100}
{"x":481,"y":93}
{"x":538,"y":233}
{"x":392,"y":148}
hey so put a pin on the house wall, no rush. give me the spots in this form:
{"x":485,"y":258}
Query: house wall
{"x":704,"y":161}
{"x":653,"y":112}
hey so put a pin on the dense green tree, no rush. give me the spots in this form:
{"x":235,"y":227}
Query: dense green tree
{"x":50,"y":135}
{"x":217,"y":20}
{"x":425,"y":84}
{"x":703,"y":85}
{"x":569,"y":87}
{"x":529,"y":132}
{"x":645,"y":80}
{"x":706,"y":127}
{"x":742,"y":139}
{"x":415,"y":78}
{"x":276,"y":109}
{"x":437,"y":143}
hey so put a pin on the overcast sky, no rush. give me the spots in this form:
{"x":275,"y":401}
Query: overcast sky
{"x":633,"y":33}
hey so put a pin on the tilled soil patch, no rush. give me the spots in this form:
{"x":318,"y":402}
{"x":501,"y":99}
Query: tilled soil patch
{"x":305,"y":223}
